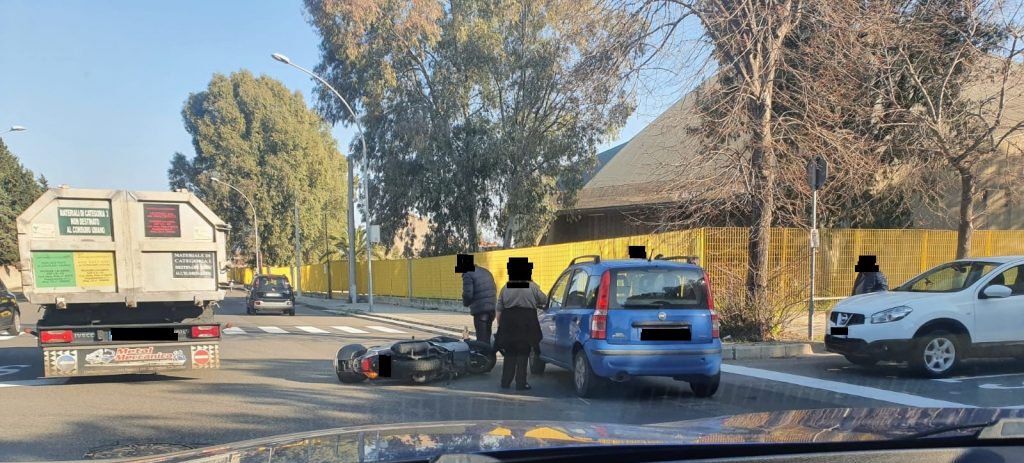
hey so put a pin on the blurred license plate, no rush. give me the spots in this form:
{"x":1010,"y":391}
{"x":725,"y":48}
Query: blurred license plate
{"x":665,"y":334}
{"x":840,"y":331}
{"x":273,"y":294}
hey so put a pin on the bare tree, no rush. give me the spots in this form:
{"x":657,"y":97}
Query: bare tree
{"x":955,"y":78}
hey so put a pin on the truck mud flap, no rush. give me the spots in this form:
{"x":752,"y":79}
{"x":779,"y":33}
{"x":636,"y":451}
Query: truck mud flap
{"x":64,"y":361}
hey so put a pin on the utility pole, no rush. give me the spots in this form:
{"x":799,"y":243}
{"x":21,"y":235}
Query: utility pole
{"x":327,"y":252}
{"x":297,"y":277}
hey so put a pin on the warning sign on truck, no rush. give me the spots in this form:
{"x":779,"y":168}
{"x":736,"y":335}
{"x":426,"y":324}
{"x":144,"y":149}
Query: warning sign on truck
{"x":83,"y":221}
{"x":65,"y":269}
{"x":193,"y":264}
{"x":162,"y":220}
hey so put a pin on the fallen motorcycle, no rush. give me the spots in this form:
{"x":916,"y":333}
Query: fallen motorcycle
{"x":415,"y":361}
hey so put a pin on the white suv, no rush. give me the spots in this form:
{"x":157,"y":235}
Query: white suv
{"x":965,"y":308}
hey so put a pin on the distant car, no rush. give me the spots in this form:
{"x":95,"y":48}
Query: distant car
{"x":10,"y":314}
{"x":270,"y":293}
{"x":613,"y":320}
{"x":965,"y":308}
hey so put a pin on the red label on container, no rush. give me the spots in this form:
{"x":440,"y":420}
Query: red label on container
{"x":162,"y":220}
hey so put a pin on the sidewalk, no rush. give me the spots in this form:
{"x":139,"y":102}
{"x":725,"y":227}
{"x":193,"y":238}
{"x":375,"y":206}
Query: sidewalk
{"x":457,"y":322}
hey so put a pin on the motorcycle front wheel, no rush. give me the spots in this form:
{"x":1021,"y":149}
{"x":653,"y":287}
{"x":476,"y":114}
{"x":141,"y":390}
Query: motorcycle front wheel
{"x":481,"y":357}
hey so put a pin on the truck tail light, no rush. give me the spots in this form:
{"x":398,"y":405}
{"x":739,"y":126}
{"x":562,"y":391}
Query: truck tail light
{"x":208,"y":331}
{"x":54,"y":336}
{"x":599,"y":320}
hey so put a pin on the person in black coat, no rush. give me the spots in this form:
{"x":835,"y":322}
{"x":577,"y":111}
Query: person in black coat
{"x":518,"y":327}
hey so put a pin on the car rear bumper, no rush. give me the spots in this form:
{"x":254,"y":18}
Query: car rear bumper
{"x":263,"y":304}
{"x":646,"y":360}
{"x":888,"y":349}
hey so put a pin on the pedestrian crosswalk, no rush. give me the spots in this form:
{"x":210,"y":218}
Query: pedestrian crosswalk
{"x":310,"y":330}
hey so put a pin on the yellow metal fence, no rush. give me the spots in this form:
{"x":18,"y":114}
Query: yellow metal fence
{"x":723,"y":252}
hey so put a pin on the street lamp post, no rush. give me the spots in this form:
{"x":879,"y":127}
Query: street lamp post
{"x":255,"y":222}
{"x":351,"y":206}
{"x":14,"y":128}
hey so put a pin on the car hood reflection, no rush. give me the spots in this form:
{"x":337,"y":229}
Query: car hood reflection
{"x":423,"y":440}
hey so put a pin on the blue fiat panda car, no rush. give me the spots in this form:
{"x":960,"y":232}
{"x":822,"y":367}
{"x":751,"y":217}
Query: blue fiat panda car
{"x":608,"y":321}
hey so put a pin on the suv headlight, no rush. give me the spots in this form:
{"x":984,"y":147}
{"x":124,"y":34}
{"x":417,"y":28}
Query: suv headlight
{"x":891,"y":315}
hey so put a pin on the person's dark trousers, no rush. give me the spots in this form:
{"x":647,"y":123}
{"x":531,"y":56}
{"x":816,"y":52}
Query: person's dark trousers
{"x":515,"y":365}
{"x":482,"y":323}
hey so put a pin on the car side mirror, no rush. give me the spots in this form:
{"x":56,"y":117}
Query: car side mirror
{"x":997,"y":291}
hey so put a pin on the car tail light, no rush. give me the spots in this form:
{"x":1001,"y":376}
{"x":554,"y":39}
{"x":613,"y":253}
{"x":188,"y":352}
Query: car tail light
{"x":599,"y":320}
{"x":210,"y":331}
{"x":715,"y":325}
{"x":707,"y":287}
{"x":46,"y":337}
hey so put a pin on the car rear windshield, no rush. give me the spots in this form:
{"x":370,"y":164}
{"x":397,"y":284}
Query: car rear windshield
{"x":272,"y":283}
{"x":658,"y":288}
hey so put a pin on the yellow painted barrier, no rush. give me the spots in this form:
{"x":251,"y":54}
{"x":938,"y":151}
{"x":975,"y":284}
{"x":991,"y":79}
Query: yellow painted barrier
{"x":723,"y":252}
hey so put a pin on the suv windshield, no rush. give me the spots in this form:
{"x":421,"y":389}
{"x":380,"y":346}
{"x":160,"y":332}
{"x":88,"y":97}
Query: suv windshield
{"x":948,"y":278}
{"x":658,"y":288}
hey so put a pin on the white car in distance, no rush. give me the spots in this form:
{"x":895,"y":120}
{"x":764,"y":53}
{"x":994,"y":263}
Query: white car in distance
{"x":966,"y":308}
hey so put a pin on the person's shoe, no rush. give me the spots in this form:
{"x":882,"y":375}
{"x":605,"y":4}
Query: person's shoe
{"x":505,"y":386}
{"x":523,"y":388}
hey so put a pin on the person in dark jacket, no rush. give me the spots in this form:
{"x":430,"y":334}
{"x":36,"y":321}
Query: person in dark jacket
{"x":870,"y":278}
{"x":478,"y":293}
{"x":518,"y":328}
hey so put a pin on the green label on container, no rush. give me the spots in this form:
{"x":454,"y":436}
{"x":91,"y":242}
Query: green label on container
{"x":83,"y":221}
{"x":54,"y":269}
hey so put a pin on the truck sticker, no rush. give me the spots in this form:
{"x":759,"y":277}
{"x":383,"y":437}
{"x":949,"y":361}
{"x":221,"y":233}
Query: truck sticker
{"x":87,"y":221}
{"x":94,"y":269}
{"x":193,"y":264}
{"x":162,"y":220}
{"x":135,"y":356}
{"x":64,"y":269}
{"x":54,"y":269}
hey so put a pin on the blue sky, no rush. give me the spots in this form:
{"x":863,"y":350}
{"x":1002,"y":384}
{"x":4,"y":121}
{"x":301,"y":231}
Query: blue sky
{"x":100,"y":85}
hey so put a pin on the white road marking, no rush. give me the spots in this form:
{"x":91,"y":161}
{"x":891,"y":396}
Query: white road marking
{"x":384,"y":329}
{"x":349,"y":329}
{"x":34,"y":382}
{"x":410,"y":325}
{"x":11,"y":369}
{"x":843,"y":388}
{"x":234,"y":330}
{"x":967,"y":378}
{"x":1000,"y":386}
{"x":273,"y":329}
{"x":312,"y":329}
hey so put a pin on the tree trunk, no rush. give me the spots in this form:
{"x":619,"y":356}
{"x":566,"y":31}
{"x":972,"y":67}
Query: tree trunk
{"x":763,"y":208}
{"x":474,"y":229}
{"x":966,"y":227}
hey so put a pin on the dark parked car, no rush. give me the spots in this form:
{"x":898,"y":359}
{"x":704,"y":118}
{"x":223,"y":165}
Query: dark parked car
{"x":10,"y":316}
{"x":270,"y":293}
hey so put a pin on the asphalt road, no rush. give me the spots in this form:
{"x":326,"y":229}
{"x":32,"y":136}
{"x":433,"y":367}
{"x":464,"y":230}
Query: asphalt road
{"x":277,"y":378}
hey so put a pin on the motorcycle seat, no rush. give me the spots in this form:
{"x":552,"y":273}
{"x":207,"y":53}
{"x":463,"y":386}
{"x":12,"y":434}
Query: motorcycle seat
{"x":411,"y":348}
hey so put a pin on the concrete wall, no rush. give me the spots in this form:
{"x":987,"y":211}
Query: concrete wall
{"x":11,"y":277}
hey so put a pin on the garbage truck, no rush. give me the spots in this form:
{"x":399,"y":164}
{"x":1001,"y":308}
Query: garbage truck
{"x":127,"y":281}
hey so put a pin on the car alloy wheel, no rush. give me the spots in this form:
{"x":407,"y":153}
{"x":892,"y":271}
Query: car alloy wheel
{"x":939,"y":355}
{"x":15,"y":329}
{"x":585,"y":382}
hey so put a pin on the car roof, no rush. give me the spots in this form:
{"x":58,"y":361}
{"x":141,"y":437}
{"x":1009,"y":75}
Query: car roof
{"x":631,"y":263}
{"x":997,"y":259}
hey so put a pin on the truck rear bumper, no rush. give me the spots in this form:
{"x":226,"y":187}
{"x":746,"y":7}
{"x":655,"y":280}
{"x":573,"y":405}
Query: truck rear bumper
{"x":115,"y":359}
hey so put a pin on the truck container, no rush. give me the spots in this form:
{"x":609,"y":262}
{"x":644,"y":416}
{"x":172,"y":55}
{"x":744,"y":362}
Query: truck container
{"x":127,"y":281}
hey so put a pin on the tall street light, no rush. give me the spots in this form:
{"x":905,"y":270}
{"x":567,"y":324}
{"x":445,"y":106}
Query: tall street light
{"x":351,"y":194}
{"x":255,"y":222}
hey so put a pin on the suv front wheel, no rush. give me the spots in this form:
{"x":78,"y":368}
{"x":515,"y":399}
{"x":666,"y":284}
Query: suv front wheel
{"x":936,"y":354}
